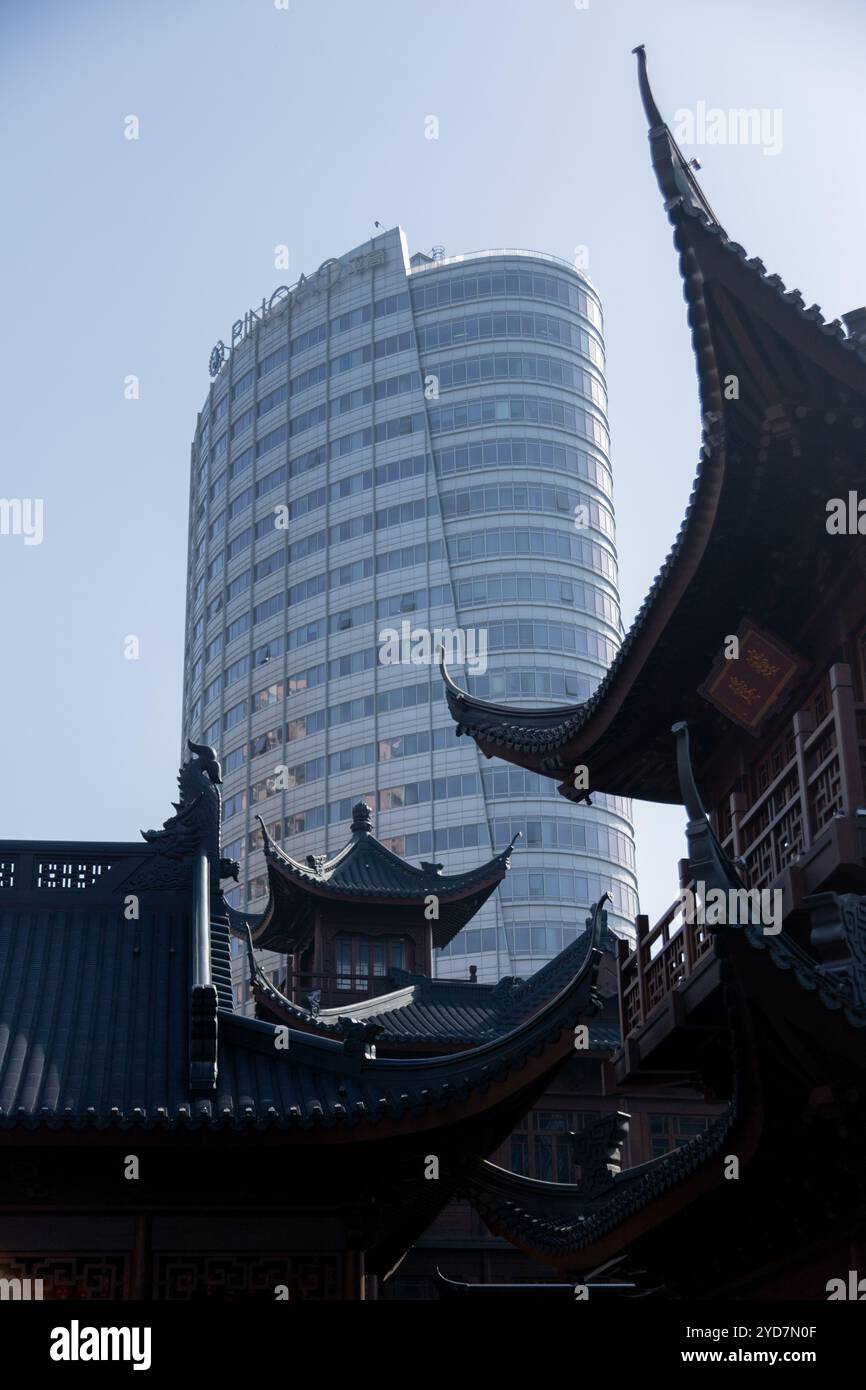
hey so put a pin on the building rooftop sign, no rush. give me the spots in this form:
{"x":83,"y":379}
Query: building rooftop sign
{"x":323,"y":280}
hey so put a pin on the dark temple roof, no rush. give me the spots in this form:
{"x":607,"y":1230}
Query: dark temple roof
{"x":96,"y":1014}
{"x":366,"y":871}
{"x":559,"y":1219}
{"x":115,"y":1007}
{"x":753,"y":541}
{"x":804,"y":981}
{"x":116,"y":1019}
{"x":424,"y":1013}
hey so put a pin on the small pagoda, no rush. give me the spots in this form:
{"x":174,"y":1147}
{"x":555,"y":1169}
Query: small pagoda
{"x":350,"y":921}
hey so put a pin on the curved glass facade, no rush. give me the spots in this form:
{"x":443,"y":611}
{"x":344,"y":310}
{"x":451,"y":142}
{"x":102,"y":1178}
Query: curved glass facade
{"x":398,"y":447}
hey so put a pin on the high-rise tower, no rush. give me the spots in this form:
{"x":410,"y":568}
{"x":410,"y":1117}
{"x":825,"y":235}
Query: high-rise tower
{"x":393,"y":447}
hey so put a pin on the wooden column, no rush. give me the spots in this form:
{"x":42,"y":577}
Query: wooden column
{"x":845,"y":716}
{"x":684,"y":874}
{"x":641,"y":922}
{"x":622,"y":955}
{"x":804,"y":725}
{"x":140,"y":1286}
{"x":738,"y":805}
{"x":353,"y":1275}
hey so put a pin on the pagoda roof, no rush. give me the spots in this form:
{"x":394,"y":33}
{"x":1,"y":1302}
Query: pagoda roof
{"x":96,"y":1014}
{"x":425,"y":1013}
{"x":802,"y":982}
{"x":559,"y":1219}
{"x":792,"y":995}
{"x":117,"y":1020}
{"x":366,"y":872}
{"x":753,"y":542}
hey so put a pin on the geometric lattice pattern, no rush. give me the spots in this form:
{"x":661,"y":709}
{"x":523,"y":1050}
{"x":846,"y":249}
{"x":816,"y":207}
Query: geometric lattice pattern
{"x":180,"y":1277}
{"x":71,"y":1276}
{"x":186,"y":1277}
{"x":60,"y":875}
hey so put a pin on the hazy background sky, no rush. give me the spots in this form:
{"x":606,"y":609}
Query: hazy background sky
{"x":262,"y":126}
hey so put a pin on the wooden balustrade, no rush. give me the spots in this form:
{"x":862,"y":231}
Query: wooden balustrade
{"x":819,"y":774}
{"x":336,"y":989}
{"x":664,"y":955}
{"x":823,"y":778}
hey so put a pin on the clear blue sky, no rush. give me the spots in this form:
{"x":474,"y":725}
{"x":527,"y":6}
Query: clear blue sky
{"x":260,"y":127}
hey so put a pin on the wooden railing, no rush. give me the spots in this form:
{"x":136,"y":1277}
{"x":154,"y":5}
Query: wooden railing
{"x":335,"y":989}
{"x":815,"y":771}
{"x":820,"y":775}
{"x":664,"y":955}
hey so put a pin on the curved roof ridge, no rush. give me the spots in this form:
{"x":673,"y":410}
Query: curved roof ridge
{"x":544,"y":738}
{"x":493,"y":1018}
{"x":520,"y":1206}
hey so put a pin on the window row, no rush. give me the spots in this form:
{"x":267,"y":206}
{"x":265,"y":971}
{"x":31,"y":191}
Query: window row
{"x":341,"y":323}
{"x":575,"y":833}
{"x":433,"y":290}
{"x":301,"y":464}
{"x":550,"y":637}
{"x":385,"y":518}
{"x":353,"y":400}
{"x":501,"y":636}
{"x":540,"y":684}
{"x":528,"y":497}
{"x":286,"y":778}
{"x":495,"y":589}
{"x":522,"y":453}
{"x":512,"y":941}
{"x":519,"y":367}
{"x":489,"y":453}
{"x":386,"y":562}
{"x":348,"y":618}
{"x":344,"y":712}
{"x":511,"y":324}
{"x":338,"y":448}
{"x":396,"y":471}
{"x":542,"y":832}
{"x":350,"y":361}
{"x":568,"y":885}
{"x":538,"y":410}
{"x":388,"y":799}
{"x":499,"y":541}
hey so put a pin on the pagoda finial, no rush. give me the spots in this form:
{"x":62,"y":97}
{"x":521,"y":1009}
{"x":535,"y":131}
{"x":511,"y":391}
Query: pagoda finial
{"x":653,"y":114}
{"x":362,"y":818}
{"x":267,"y":842}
